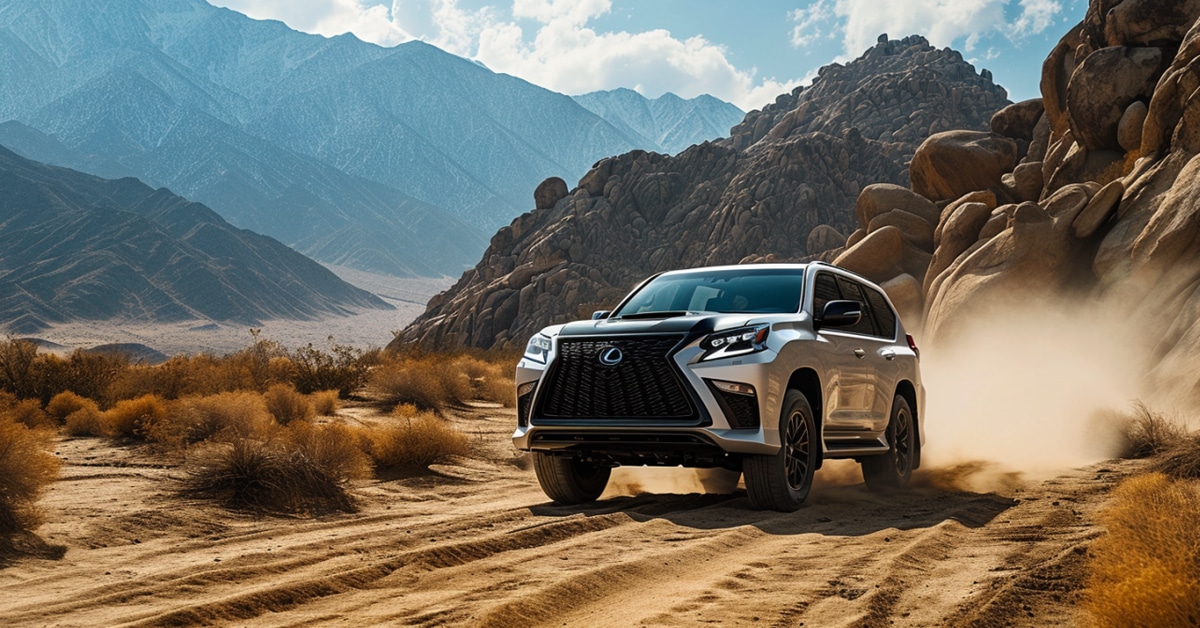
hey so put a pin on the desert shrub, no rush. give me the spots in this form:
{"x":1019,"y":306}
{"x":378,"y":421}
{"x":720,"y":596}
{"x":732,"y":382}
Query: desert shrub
{"x":91,"y":375}
{"x":7,"y":400}
{"x":27,"y":465}
{"x":1146,"y":570}
{"x":86,"y":421}
{"x":325,"y":402}
{"x":17,"y":373}
{"x":1147,"y":433}
{"x":415,"y":442}
{"x":66,"y":403}
{"x":30,"y":414}
{"x":429,"y":382}
{"x":343,"y":369}
{"x":489,"y":381}
{"x":224,"y":416}
{"x":268,"y":476}
{"x":1181,"y":461}
{"x":335,"y":448}
{"x":287,"y":405}
{"x":136,"y":418}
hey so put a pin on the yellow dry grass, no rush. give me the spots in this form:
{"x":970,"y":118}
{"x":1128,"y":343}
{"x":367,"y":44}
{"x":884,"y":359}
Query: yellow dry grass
{"x":135,"y":418}
{"x":1146,"y":570}
{"x":325,"y":402}
{"x":415,"y":441}
{"x":27,"y":465}
{"x":287,"y":405}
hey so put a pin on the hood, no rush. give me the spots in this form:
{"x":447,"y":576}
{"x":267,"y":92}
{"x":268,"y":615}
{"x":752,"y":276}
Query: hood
{"x":694,"y":324}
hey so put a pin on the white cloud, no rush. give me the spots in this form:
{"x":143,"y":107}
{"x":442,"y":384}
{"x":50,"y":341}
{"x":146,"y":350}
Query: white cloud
{"x":1036,"y":16}
{"x":372,"y":23}
{"x":808,"y":23}
{"x":546,"y":42}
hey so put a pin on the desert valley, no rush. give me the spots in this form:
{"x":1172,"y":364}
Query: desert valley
{"x":263,"y":294}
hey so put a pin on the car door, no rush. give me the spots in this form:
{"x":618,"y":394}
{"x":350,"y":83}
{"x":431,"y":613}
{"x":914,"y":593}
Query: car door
{"x":887,"y":367}
{"x":850,"y":390}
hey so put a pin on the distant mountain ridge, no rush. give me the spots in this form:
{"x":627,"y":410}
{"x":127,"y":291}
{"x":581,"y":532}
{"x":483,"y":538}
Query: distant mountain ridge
{"x":668,"y":123}
{"x":78,"y":247}
{"x":394,"y":160}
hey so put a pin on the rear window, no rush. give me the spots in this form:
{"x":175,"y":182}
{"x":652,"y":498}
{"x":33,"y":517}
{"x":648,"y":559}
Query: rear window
{"x":885,"y":318}
{"x":853,"y":292}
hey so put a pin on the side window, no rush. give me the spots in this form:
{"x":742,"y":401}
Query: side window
{"x":824,"y":291}
{"x":885,"y":318}
{"x":852,"y":291}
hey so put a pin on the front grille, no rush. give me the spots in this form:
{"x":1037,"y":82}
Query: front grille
{"x":741,"y":410}
{"x":645,"y":384}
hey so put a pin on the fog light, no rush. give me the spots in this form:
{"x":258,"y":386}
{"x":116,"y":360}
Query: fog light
{"x":734,"y":387}
{"x":526,"y":388}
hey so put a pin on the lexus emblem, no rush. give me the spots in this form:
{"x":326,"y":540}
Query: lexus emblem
{"x":611,"y":356}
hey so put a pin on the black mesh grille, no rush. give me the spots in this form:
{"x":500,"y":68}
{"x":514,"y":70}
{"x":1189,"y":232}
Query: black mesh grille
{"x":524,"y":403}
{"x":741,"y":410}
{"x":643,"y":385}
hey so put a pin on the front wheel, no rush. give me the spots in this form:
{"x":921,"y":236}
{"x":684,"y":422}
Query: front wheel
{"x":894,"y":469}
{"x":782,"y":481}
{"x":569,"y":480}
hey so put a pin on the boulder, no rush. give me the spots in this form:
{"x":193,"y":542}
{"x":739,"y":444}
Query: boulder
{"x":1056,"y":73}
{"x":824,"y":238}
{"x":950,"y":164}
{"x":1129,"y":128}
{"x":1100,"y":90}
{"x":1018,"y":120}
{"x":905,"y":293}
{"x":1027,"y":181}
{"x":1150,"y":22}
{"x":856,"y":237}
{"x":961,"y":230}
{"x":1040,"y":142}
{"x":877,"y":257}
{"x":987,"y":197}
{"x":1098,"y":211}
{"x":916,"y":230}
{"x":549,"y":193}
{"x":596,"y":178}
{"x":880,"y":198}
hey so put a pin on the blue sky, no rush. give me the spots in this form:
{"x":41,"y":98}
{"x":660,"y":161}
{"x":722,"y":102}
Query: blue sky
{"x":746,"y":52}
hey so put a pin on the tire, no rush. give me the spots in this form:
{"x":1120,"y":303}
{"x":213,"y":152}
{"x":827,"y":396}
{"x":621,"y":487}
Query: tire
{"x":782,"y":481}
{"x":893,"y":470}
{"x":569,"y":481}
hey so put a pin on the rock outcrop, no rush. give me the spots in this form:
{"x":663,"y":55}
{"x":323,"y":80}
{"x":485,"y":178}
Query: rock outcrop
{"x":780,"y":188}
{"x":1101,"y":204}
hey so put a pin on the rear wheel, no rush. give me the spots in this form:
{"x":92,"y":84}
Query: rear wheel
{"x":569,"y":480}
{"x":782,"y":481}
{"x":894,"y":469}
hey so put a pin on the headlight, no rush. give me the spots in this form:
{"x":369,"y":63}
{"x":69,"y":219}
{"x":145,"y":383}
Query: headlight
{"x":539,"y":348}
{"x":735,"y":342}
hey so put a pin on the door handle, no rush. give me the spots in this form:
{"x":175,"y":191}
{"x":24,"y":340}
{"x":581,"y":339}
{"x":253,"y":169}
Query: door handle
{"x":860,"y":354}
{"x":888,"y":354}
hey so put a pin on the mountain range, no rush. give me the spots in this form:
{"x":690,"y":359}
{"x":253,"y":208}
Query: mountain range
{"x":77,"y":247}
{"x":393,"y":160}
{"x":667,"y":124}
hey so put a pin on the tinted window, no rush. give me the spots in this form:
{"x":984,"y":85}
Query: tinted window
{"x":824,"y":290}
{"x":748,"y":290}
{"x":885,"y":318}
{"x":853,"y":292}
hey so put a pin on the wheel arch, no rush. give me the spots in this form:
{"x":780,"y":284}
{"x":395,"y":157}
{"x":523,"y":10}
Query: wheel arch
{"x":906,"y":389}
{"x":808,"y":383}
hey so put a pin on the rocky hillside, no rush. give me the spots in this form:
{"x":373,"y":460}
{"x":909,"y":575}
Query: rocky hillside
{"x":76,"y":247}
{"x":667,"y":124}
{"x":782,"y":187}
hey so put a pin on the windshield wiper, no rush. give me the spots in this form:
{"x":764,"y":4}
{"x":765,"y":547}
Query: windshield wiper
{"x":664,"y":314}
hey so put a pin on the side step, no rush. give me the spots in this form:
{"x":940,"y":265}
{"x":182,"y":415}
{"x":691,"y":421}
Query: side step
{"x":846,"y":446}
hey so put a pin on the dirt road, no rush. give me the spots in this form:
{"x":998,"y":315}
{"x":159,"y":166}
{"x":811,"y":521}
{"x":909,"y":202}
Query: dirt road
{"x":478,"y":544}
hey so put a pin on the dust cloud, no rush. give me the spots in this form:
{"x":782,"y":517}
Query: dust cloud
{"x":1032,"y":389}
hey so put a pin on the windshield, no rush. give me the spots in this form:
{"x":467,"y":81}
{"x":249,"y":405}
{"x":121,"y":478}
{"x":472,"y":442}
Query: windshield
{"x":748,"y":291}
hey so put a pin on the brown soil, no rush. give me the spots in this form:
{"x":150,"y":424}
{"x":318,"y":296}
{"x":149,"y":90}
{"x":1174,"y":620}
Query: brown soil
{"x":477,"y":543}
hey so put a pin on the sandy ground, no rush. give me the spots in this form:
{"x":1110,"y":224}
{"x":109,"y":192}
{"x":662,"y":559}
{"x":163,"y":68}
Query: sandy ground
{"x":363,"y":329}
{"x":477,"y":543}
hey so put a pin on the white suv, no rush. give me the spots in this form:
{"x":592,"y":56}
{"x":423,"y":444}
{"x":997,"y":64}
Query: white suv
{"x":765,"y":369}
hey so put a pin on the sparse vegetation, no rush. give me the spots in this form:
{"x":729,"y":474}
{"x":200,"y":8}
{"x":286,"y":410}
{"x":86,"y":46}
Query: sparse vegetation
{"x":1146,"y":570}
{"x":136,"y":418}
{"x":26,"y":467}
{"x":66,"y":403}
{"x":1148,"y":433}
{"x":416,"y":441}
{"x":30,"y":414}
{"x":86,"y":421}
{"x":325,"y":402}
{"x":1182,"y":461}
{"x":304,"y":470}
{"x":223,"y":417}
{"x":287,"y":405}
{"x":430,"y":382}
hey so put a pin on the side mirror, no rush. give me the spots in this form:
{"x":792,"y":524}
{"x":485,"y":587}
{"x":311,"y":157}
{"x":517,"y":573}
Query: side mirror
{"x":840,"y":314}
{"x":600,"y":314}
